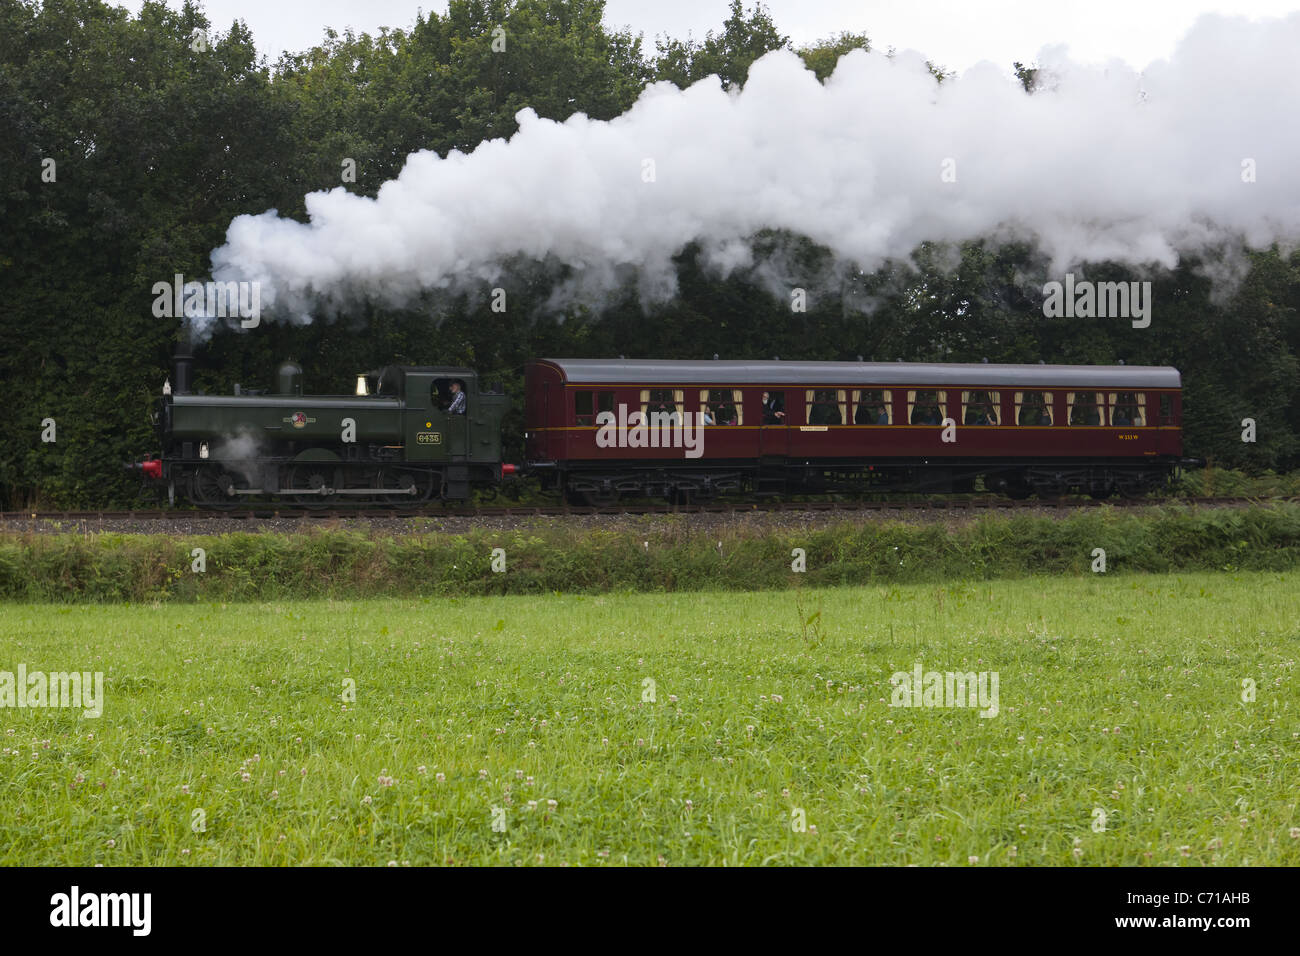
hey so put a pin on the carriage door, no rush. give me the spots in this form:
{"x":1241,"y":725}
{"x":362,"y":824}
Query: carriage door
{"x":774,"y":431}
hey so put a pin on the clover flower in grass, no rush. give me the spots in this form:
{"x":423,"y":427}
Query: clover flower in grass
{"x":1294,"y":833}
{"x":440,"y":776}
{"x":422,"y":770}
{"x":1185,"y":850}
{"x":972,"y":860}
{"x":366,"y":799}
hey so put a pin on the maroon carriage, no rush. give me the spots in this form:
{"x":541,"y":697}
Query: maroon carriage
{"x":600,"y":429}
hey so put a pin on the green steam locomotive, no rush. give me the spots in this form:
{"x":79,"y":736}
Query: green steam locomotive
{"x":403,"y":438}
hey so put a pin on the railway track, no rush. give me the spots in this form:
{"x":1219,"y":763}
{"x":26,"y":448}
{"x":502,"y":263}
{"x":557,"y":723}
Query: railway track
{"x":904,"y":504}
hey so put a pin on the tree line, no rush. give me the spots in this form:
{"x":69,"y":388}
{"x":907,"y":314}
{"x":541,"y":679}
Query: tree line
{"x":128,"y":143}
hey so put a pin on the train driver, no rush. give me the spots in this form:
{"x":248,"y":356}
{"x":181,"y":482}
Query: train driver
{"x":457,"y":406}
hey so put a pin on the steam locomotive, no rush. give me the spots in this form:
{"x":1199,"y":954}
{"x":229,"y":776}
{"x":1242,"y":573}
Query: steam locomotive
{"x":599,"y":430}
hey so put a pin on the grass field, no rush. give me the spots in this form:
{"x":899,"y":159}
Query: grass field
{"x":770,"y":738}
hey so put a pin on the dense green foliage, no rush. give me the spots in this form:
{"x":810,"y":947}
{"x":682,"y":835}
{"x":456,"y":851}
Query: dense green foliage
{"x":671,"y":556}
{"x":708,"y":729}
{"x":159,"y":139}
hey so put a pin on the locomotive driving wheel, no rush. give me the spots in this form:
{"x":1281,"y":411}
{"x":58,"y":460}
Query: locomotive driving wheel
{"x":212,"y":486}
{"x":317,"y":478}
{"x":394,"y":479}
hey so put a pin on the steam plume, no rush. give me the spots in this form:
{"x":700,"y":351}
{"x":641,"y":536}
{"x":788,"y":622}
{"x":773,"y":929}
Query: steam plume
{"x":1099,"y":164}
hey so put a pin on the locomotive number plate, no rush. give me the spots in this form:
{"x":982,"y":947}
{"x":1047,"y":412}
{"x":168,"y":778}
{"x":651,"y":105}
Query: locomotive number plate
{"x":428,"y":438}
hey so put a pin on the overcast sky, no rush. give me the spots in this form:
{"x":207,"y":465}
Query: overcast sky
{"x":954,"y":33}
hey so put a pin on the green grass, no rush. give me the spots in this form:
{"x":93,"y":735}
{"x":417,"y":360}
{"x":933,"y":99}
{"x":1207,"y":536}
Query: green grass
{"x":1116,"y":693}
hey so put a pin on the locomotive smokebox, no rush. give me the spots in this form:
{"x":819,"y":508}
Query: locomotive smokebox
{"x":288,"y":378}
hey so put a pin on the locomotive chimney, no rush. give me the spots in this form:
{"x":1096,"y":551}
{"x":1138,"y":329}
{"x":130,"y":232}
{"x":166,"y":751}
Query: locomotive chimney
{"x":183,"y":360}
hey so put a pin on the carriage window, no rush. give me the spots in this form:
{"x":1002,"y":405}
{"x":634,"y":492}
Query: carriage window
{"x":1033,"y":408}
{"x":1128,"y":409}
{"x":663,"y":402}
{"x":722,"y":406}
{"x":773,"y":406}
{"x":824,"y":406}
{"x":1085,"y":408}
{"x":1166,"y":409}
{"x":582,"y":408}
{"x":604,"y":402}
{"x":980,"y":407}
{"x":927,"y":406}
{"x":872,"y":406}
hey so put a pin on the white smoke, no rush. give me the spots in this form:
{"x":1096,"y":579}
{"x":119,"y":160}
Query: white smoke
{"x":1099,"y":164}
